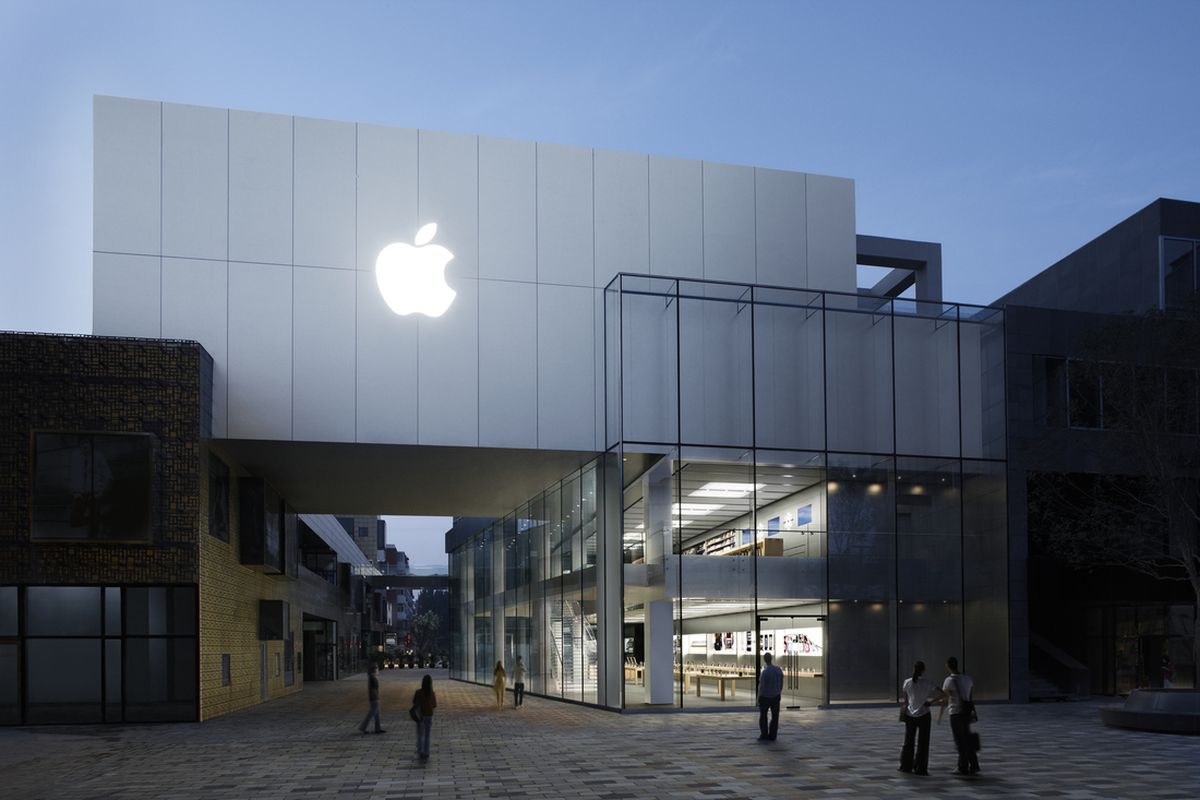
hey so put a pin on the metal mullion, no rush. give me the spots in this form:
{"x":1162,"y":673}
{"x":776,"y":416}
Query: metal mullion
{"x":677,"y":498}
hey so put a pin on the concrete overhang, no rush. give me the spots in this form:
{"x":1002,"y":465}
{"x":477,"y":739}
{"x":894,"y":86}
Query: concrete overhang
{"x":419,"y":480}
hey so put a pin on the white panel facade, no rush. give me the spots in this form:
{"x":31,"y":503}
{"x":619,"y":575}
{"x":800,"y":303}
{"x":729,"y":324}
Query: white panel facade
{"x":566,"y":371}
{"x":507,"y":363}
{"x":448,"y":371}
{"x":325,"y":193}
{"x":386,"y":374}
{"x":195,"y":297}
{"x":126,"y":295}
{"x":127,"y":176}
{"x":387,"y":189}
{"x":728,"y":223}
{"x":780,"y":232}
{"x":260,"y":351}
{"x":622,"y":214}
{"x":832,"y":248}
{"x":323,"y":385}
{"x":507,"y":209}
{"x":255,"y":207}
{"x":676,"y":218}
{"x":195,"y":182}
{"x":260,"y":187}
{"x":448,"y":194}
{"x":564,"y":218}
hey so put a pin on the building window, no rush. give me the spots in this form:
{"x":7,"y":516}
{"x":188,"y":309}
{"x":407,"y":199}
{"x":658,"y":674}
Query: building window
{"x":1083,"y":394}
{"x":218,"y":498}
{"x":226,"y":673}
{"x":1179,"y":273}
{"x":92,"y":486}
{"x":98,"y":654}
{"x":1050,"y":390}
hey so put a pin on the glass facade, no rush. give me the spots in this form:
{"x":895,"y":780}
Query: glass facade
{"x":79,"y":654}
{"x":815,"y":475}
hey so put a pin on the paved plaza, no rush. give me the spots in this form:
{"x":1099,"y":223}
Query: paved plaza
{"x":308,"y":746}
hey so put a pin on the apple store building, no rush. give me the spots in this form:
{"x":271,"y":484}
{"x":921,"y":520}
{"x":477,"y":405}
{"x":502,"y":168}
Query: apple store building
{"x":674,"y":431}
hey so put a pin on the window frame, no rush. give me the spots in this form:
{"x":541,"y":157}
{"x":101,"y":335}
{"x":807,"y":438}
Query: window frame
{"x":152,"y":500}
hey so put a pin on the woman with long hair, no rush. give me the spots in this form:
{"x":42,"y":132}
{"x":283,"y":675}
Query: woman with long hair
{"x":498,"y":677}
{"x":919,"y":693}
{"x":424,"y":702}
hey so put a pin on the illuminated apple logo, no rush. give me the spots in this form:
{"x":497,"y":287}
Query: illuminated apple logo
{"x":412,"y":277}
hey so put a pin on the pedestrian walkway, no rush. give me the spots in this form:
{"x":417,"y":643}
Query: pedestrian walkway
{"x":308,"y":746}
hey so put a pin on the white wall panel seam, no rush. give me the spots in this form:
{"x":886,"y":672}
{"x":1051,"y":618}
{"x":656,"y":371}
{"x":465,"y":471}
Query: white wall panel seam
{"x":293,"y":262}
{"x":593,"y":153}
{"x":160,"y":216}
{"x":537,"y":297}
{"x":807,"y":238}
{"x":754,"y":206}
{"x":703,"y":251}
{"x":478,"y":304}
{"x":228,"y":195}
{"x":417,"y":371}
{"x":356,"y":279}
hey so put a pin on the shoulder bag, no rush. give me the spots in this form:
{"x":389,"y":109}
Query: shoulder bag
{"x":968,"y":705}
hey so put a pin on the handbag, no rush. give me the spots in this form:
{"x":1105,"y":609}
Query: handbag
{"x":968,"y":705}
{"x":415,"y":711}
{"x":904,"y":712}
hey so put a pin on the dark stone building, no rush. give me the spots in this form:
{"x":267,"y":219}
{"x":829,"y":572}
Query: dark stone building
{"x":1092,"y":628}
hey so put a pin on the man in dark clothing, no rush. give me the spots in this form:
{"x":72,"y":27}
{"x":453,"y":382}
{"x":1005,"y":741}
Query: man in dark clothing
{"x":373,"y":696}
{"x":770,"y":688}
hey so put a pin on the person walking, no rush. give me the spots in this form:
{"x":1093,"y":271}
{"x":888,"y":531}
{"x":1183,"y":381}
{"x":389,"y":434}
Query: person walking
{"x":919,"y":693}
{"x":373,"y":698}
{"x":770,"y":689}
{"x":424,"y":702}
{"x":519,"y":683}
{"x":1168,"y":672}
{"x":959,"y":690}
{"x":498,"y":684}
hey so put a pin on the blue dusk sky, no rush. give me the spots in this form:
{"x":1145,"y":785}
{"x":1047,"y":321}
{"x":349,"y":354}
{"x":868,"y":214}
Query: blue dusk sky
{"x":1011,"y":132}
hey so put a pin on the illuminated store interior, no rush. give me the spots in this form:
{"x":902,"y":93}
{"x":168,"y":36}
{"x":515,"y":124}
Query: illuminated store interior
{"x":814,"y":475}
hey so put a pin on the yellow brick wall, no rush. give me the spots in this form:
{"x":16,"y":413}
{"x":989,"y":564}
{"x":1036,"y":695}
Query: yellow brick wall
{"x":229,"y":595}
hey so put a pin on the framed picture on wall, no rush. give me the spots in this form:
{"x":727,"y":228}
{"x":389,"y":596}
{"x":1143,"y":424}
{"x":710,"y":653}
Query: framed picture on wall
{"x":804,"y":515}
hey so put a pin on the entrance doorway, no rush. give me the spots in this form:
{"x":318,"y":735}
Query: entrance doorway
{"x":797,"y":644}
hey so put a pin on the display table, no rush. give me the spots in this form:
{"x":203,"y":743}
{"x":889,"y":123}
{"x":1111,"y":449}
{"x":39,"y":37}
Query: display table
{"x":721,"y":680}
{"x":635,"y":672}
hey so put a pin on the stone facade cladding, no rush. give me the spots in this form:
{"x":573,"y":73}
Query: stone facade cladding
{"x":229,"y":597}
{"x":104,"y":384}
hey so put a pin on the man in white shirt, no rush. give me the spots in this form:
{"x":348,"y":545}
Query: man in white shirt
{"x":959,"y":688}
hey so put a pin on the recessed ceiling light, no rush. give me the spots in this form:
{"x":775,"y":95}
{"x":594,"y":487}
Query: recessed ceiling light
{"x":726,"y":490}
{"x":695,"y":509}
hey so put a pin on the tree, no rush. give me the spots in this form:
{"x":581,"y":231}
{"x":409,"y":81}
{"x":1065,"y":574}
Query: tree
{"x":1135,"y":378}
{"x":425,"y":627}
{"x":436,"y":602}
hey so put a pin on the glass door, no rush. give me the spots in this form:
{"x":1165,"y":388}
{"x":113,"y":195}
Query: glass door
{"x":797,"y":645}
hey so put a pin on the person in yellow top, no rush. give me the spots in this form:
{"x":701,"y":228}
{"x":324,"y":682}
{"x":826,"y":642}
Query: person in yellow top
{"x":424,"y":702}
{"x":498,"y":684}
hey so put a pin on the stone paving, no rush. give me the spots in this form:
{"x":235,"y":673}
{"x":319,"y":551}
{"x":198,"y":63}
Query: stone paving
{"x":308,"y":746}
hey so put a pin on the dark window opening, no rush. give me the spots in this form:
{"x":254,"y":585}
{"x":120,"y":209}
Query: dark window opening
{"x":92,"y":486}
{"x":218,"y":498}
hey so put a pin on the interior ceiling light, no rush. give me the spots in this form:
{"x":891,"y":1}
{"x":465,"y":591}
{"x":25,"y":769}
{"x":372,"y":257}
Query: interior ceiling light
{"x":726,"y":491}
{"x":695,"y":509}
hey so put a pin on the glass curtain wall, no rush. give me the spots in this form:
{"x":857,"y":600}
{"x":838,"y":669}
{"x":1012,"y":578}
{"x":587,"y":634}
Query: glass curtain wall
{"x":530,"y":589}
{"x":815,"y":475}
